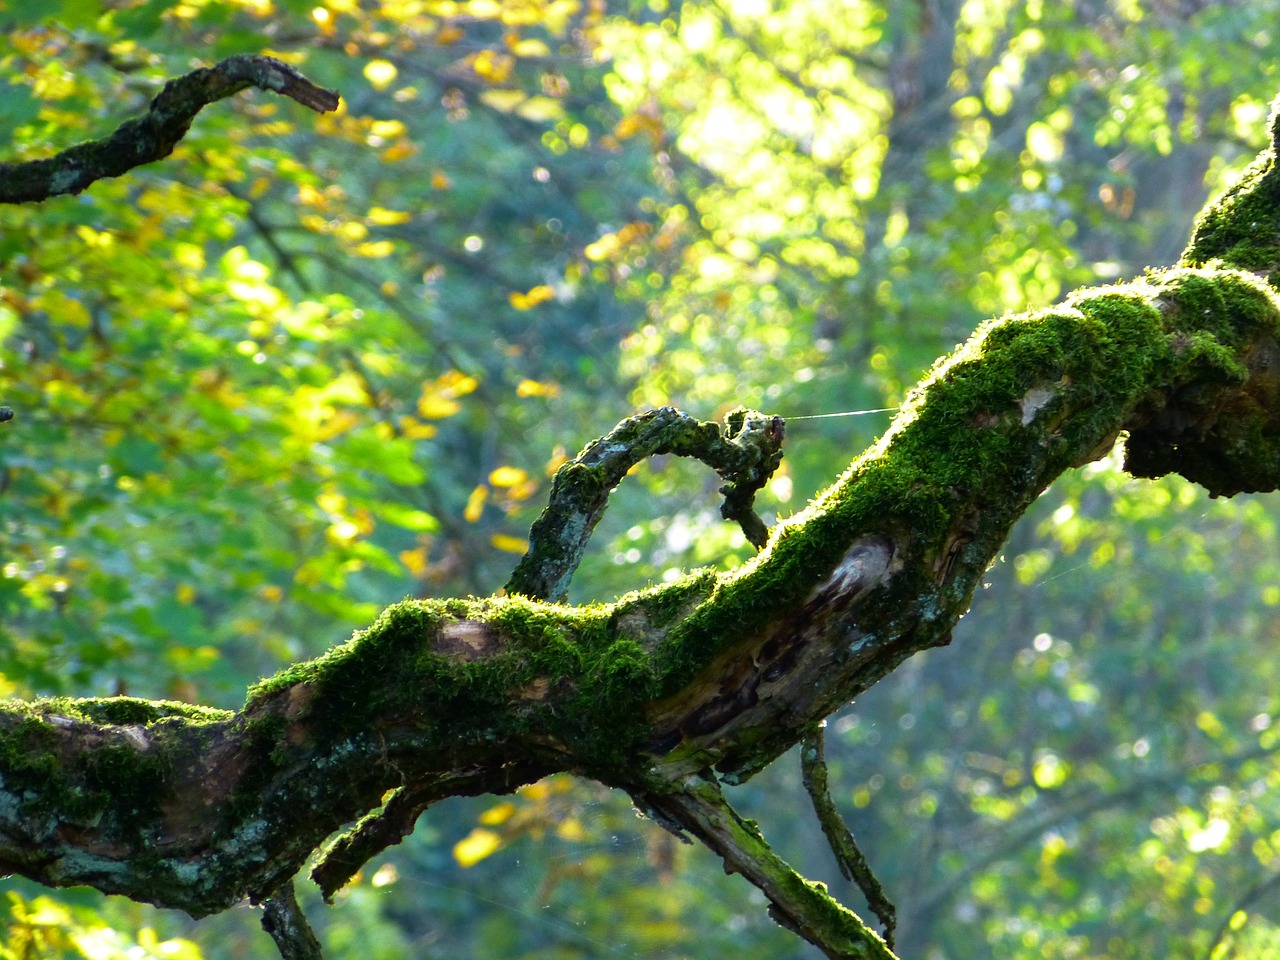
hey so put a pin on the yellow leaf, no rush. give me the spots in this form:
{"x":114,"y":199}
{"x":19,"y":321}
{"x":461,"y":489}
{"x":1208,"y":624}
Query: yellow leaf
{"x":507,"y":476}
{"x":324,"y":20}
{"x":509,"y":544}
{"x":387,"y":128}
{"x":603,"y":248}
{"x":309,"y":196}
{"x":523,"y":491}
{"x":449,"y":35}
{"x":527,"y":301}
{"x":499,"y":814}
{"x":339,"y":423}
{"x":93,"y":238}
{"x":492,"y":67}
{"x":475,"y":504}
{"x":352,"y":230}
{"x":504,"y":101}
{"x":532,"y":388}
{"x":559,"y":457}
{"x":189,"y":255}
{"x":48,"y":913}
{"x":477,"y":845}
{"x":436,"y":407}
{"x":529,"y":48}
{"x":186,"y":594}
{"x":380,"y":73}
{"x":571,"y":830}
{"x":375,"y":249}
{"x":440,"y":180}
{"x":398,"y":151}
{"x":415,"y":429}
{"x":458,"y":384}
{"x":535,"y":791}
{"x":415,"y":561}
{"x":438,"y":396}
{"x":343,"y":532}
{"x":386,"y":218}
{"x":331,"y":502}
{"x":540,"y":109}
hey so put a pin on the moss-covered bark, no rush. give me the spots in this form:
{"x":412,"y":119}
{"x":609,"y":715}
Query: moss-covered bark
{"x":669,"y":690}
{"x":153,"y":136}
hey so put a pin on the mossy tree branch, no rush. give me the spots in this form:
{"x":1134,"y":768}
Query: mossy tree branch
{"x":849,"y":858}
{"x":153,"y":136}
{"x":673,"y":690}
{"x":744,"y":452}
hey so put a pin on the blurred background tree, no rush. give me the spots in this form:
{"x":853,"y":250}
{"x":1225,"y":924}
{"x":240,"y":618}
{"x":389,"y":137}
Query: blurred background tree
{"x":306,"y":367}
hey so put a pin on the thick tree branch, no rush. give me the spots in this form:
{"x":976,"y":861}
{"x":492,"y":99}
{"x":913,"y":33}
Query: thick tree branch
{"x":199,"y":809}
{"x":671,"y":690}
{"x":153,"y":136}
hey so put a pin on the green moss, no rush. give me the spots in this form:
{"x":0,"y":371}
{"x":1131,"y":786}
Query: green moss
{"x":116,"y":783}
{"x":395,"y":669}
{"x":1219,"y":427}
{"x":969,"y":438}
{"x":132,"y":711}
{"x":954,"y":443}
{"x":1240,"y":227}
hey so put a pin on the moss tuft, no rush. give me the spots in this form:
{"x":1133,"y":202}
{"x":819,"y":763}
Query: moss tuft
{"x":1240,"y":227}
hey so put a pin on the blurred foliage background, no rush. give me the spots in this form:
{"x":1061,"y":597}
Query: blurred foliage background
{"x":309,"y":366}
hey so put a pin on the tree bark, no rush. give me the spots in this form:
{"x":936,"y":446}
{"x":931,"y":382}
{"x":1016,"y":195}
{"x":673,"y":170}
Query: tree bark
{"x":672,"y":690}
{"x":153,"y":136}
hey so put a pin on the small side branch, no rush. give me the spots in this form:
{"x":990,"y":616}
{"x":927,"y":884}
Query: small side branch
{"x":284,"y":920}
{"x":745,"y":452}
{"x":800,"y":905}
{"x":853,"y":865}
{"x":153,"y":136}
{"x":388,"y":825}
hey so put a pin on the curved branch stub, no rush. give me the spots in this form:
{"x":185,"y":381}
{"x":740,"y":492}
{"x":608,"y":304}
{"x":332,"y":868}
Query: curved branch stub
{"x":744,"y":452}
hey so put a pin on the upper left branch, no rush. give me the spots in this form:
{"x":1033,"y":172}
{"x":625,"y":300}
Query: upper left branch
{"x":153,"y":136}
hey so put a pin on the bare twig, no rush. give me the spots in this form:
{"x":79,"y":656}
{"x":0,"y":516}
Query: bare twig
{"x":153,"y":136}
{"x":698,"y":805}
{"x":284,"y":920}
{"x":853,"y":865}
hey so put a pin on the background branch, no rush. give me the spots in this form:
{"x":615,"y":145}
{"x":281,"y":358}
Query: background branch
{"x":153,"y":136}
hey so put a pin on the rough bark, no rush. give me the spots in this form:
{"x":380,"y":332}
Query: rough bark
{"x":673,"y":690}
{"x":153,"y":136}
